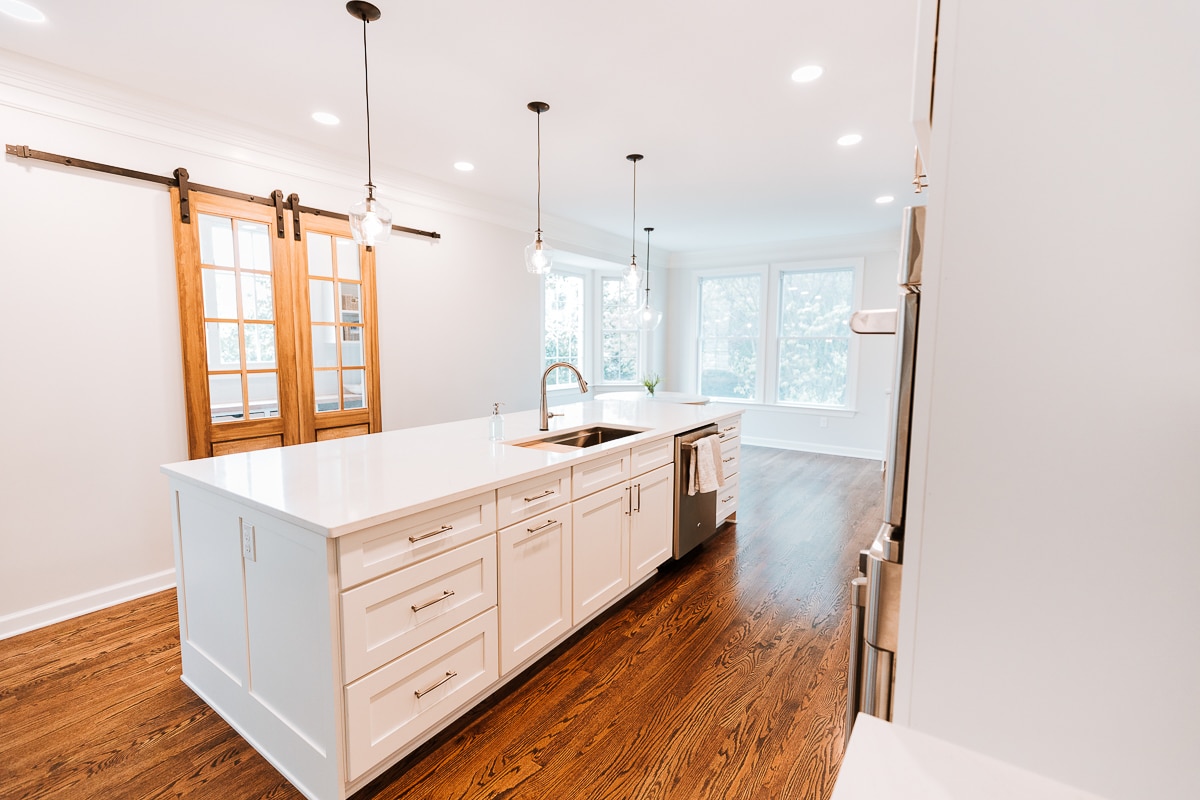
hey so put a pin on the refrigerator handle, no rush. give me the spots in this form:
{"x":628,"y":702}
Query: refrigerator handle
{"x":854,"y":680}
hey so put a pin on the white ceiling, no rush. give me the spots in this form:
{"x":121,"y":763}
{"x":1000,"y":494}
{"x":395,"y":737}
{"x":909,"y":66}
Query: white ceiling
{"x":736,"y":153}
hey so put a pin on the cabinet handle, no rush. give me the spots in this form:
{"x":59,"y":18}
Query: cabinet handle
{"x":443,"y":529}
{"x":726,"y":460}
{"x":445,"y":593}
{"x":422,"y":692}
{"x":546,"y":493}
{"x":628,"y":501}
{"x":639,"y":503}
{"x":543,"y":527}
{"x":727,"y":499}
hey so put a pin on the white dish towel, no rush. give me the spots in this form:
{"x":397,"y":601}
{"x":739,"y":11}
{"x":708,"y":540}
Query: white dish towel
{"x":704,"y":471}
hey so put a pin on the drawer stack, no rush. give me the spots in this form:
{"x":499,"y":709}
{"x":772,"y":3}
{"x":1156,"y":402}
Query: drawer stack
{"x":419,"y":623}
{"x":730,"y":431}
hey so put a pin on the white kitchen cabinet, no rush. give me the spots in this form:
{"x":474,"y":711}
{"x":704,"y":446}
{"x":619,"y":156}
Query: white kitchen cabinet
{"x":535,"y":585}
{"x":650,"y":523}
{"x":600,"y":553}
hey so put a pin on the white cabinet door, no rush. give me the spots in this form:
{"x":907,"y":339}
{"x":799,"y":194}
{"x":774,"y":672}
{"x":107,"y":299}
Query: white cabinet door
{"x":651,"y":521}
{"x":535,"y":586}
{"x":600,"y":554}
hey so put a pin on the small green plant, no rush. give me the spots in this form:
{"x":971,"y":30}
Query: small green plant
{"x":650,"y":381}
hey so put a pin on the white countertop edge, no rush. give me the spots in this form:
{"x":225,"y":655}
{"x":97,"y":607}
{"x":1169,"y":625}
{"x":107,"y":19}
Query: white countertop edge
{"x":885,"y":761}
{"x":340,"y":486}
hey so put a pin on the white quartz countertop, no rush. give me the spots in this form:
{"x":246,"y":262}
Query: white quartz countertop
{"x":343,"y":485}
{"x":891,"y":762}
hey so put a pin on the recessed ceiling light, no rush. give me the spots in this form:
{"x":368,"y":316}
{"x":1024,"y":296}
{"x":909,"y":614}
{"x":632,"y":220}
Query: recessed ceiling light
{"x":464,"y":166}
{"x":22,"y":11}
{"x":806,"y":74}
{"x":883,"y":200}
{"x":325,"y":118}
{"x":849,"y":139}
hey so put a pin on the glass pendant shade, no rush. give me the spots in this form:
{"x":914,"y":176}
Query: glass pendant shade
{"x":370,"y":221}
{"x":648,"y":318}
{"x":632,"y":276}
{"x":539,"y":257}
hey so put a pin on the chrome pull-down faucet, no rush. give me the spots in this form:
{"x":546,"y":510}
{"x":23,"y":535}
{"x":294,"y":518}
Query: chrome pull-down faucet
{"x":546,"y":413}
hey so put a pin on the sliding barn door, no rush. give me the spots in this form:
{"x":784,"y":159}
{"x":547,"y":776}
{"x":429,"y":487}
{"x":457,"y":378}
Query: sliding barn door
{"x":339,"y":347}
{"x":279,"y":336}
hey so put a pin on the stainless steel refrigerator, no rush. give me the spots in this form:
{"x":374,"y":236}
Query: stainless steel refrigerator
{"x":876,"y":591}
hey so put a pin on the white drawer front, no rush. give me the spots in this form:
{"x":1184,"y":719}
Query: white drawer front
{"x":729,"y":427}
{"x":599,"y":474}
{"x":389,"y":616}
{"x":388,"y":708}
{"x":653,"y":455}
{"x":385,"y":548}
{"x":731,"y":454}
{"x":727,"y":498}
{"x":523,"y":500}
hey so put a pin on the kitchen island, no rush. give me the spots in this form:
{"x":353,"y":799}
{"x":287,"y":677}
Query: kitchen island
{"x":342,"y":601}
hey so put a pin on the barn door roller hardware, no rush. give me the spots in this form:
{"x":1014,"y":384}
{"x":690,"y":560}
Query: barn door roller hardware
{"x":182,"y":181}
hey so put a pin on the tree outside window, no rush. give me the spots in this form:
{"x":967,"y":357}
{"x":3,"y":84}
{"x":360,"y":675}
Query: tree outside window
{"x":564,"y":326}
{"x":814,"y":336}
{"x":619,"y":335}
{"x":729,"y":336}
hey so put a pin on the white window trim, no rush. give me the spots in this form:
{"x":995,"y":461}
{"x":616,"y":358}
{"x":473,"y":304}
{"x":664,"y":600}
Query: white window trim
{"x":591,"y":354}
{"x":766,"y":385}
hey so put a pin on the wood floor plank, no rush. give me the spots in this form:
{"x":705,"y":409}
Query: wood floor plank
{"x":724,"y":677}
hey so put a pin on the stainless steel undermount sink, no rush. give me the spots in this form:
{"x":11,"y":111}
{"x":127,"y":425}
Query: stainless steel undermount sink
{"x":580,"y":438}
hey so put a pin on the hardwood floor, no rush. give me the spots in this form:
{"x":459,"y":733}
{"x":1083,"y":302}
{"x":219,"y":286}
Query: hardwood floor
{"x":723,"y":678}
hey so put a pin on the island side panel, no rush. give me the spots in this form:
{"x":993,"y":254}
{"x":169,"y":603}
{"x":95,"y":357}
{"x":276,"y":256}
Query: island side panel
{"x":257,"y":633}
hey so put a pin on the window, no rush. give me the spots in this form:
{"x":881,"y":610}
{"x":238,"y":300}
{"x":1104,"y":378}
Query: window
{"x":588,"y":319}
{"x":794,"y":349}
{"x":563,"y":318}
{"x":619,"y":334}
{"x":729,"y":336}
{"x":814,"y":336}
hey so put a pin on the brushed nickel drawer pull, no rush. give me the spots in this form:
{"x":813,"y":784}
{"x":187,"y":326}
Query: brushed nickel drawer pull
{"x":546,"y":493}
{"x":443,"y":529}
{"x":727,"y":499}
{"x":445,"y":593}
{"x":422,"y":692}
{"x":543,"y":527}
{"x":727,"y":460}
{"x":730,"y":428}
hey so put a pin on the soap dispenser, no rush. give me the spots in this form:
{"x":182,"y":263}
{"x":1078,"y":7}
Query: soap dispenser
{"x":497,"y":429}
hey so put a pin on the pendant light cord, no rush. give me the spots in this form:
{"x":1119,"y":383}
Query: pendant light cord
{"x":648,"y":265}
{"x":539,"y":174}
{"x":633,"y":225}
{"x":367,"y":88}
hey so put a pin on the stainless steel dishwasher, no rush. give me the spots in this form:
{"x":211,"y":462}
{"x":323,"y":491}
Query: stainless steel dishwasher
{"x":695,"y":515}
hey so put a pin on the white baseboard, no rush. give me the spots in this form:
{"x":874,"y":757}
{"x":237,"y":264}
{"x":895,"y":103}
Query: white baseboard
{"x":43,"y":615}
{"x":810,"y":447}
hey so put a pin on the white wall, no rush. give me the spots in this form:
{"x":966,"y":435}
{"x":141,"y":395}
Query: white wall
{"x":92,"y":402}
{"x":1049,"y":614}
{"x":859,"y":432}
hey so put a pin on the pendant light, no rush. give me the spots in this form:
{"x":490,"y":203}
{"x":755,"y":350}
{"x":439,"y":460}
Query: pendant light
{"x":370,"y":221}
{"x":632,"y":276}
{"x":648,"y":317}
{"x":539,"y":259}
